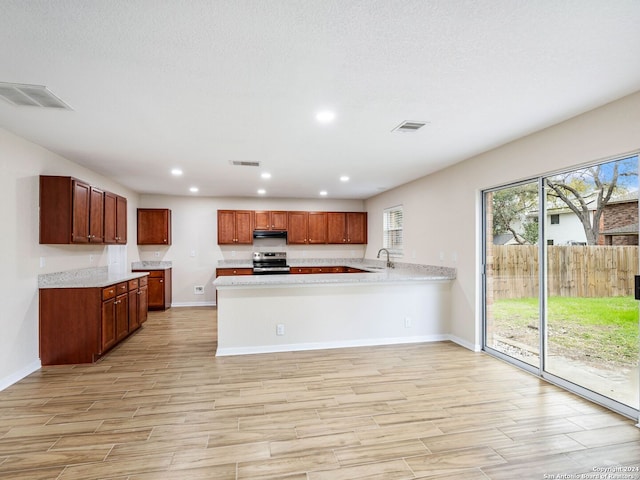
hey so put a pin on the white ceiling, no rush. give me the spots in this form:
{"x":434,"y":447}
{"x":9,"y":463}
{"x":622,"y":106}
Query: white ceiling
{"x":157,"y":84}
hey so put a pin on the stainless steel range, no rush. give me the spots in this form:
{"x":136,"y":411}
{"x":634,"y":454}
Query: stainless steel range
{"x":269,"y":263}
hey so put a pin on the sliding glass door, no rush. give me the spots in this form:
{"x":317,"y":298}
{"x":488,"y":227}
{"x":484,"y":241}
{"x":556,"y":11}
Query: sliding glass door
{"x":560,"y":255}
{"x":512,"y":306}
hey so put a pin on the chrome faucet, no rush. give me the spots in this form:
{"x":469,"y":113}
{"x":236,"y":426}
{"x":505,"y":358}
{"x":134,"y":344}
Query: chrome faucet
{"x":389,"y":262}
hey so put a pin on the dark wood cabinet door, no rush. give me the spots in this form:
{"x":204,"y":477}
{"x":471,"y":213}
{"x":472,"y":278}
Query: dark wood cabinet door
{"x":80,"y":212}
{"x":121,"y":220}
{"x":154,"y":226}
{"x":226,"y":227}
{"x":336,"y":227}
{"x":357,"y":227}
{"x":279,"y":221}
{"x":122,"y":316}
{"x":244,"y":227}
{"x":317,"y":227}
{"x":298,"y":228}
{"x":134,"y":320}
{"x":96,"y":216}
{"x":108,"y":325}
{"x":156,"y":292}
{"x":262,"y":220}
{"x":109,"y":217}
{"x":143,"y":304}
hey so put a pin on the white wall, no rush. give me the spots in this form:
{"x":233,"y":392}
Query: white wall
{"x":21,"y":163}
{"x":442,"y":211}
{"x":195,"y":230}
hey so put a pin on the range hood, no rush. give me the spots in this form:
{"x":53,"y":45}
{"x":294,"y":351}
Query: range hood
{"x":270,"y":234}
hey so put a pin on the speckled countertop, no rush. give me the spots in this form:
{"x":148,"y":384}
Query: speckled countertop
{"x":150,"y":265}
{"x":85,"y":278}
{"x":377,"y":273}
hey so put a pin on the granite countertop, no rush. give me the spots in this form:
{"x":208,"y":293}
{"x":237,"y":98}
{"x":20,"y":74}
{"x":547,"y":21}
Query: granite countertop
{"x":376,"y":273}
{"x":150,"y":265}
{"x":86,"y":278}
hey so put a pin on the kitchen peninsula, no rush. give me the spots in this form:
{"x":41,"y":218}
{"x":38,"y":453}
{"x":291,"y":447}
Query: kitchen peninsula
{"x":276,"y":313}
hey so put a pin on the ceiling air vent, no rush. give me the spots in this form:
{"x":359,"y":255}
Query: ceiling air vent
{"x":240,"y":163}
{"x":409,"y":126}
{"x":30,"y":96}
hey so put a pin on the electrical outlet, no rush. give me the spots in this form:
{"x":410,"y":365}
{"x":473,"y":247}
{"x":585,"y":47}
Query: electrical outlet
{"x":280,"y":329}
{"x":156,"y":254}
{"x":192,"y":253}
{"x":43,"y":262}
{"x":198,"y":290}
{"x":407,"y":322}
{"x":90,"y":258}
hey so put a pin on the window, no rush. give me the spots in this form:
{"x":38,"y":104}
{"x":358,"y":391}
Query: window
{"x":555,"y":219}
{"x":392,"y":230}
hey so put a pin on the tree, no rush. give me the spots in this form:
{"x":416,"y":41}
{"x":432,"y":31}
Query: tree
{"x":510,"y":207}
{"x":590,"y":189}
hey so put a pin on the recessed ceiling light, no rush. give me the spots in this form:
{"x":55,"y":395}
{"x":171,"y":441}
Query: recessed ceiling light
{"x":325,"y":116}
{"x":265,"y":175}
{"x":176,"y":171}
{"x":262,"y":191}
{"x":193,"y":189}
{"x":324,"y":193}
{"x":344,"y":178}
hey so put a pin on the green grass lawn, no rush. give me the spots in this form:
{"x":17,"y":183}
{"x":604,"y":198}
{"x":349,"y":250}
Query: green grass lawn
{"x":601,"y":328}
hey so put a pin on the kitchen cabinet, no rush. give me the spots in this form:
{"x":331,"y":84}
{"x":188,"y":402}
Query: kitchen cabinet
{"x":71,"y":211}
{"x":270,"y":220}
{"x":220,"y":272}
{"x":159,"y":288}
{"x":154,"y":226}
{"x":138,"y":302}
{"x":347,"y":227}
{"x":235,"y":227}
{"x":115,"y":218}
{"x":307,"y":228}
{"x":79,"y":325}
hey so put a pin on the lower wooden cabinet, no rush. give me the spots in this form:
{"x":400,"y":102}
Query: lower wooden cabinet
{"x":79,"y":325}
{"x":159,"y":288}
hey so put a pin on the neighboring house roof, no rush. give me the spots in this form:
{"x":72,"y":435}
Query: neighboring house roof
{"x":502,"y":239}
{"x":631,"y":229}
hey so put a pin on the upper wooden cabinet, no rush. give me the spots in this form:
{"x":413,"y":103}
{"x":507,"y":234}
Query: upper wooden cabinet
{"x":307,"y":228}
{"x":302,"y":227}
{"x":154,"y":226}
{"x":115,"y":218}
{"x":71,"y":211}
{"x":235,"y":227}
{"x":270,"y":220}
{"x":347,"y":227}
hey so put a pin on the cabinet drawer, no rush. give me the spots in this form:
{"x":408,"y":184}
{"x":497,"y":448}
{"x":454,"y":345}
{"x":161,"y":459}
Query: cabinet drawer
{"x":122,"y":288}
{"x":220,"y":272}
{"x":142,"y":281}
{"x":108,"y":292}
{"x":156,"y":274}
{"x":133,"y":284}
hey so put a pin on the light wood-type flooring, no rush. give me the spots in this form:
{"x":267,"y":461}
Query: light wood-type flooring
{"x":162,"y":406}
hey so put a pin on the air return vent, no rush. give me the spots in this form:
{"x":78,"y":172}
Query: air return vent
{"x":240,"y":163}
{"x":30,"y":96}
{"x":409,"y":126}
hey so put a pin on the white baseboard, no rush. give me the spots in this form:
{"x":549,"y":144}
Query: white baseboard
{"x":193,"y":304}
{"x":19,"y":375}
{"x":463,"y":343}
{"x":293,"y":347}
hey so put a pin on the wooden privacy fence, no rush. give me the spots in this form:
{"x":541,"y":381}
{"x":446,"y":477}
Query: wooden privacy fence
{"x":572,"y":271}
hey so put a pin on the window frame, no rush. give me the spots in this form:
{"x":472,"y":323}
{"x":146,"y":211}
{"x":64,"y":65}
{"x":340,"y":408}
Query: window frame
{"x":393,"y":235}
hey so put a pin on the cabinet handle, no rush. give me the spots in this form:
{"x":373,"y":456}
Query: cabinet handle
{"x":161,"y":281}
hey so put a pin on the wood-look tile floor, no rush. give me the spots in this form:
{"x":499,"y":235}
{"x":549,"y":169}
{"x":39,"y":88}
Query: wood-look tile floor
{"x":162,"y":406}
